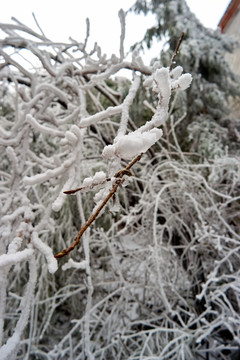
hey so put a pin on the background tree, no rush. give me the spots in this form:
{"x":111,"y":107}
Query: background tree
{"x":206,"y":127}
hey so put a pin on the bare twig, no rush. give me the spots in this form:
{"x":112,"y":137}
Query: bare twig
{"x":176,"y":51}
{"x":39,"y":27}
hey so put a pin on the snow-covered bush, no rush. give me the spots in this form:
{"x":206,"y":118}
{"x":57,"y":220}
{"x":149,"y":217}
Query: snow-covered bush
{"x":151,"y":275}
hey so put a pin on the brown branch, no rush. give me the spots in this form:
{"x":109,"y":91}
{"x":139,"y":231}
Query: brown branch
{"x":176,"y":51}
{"x":119,"y":180}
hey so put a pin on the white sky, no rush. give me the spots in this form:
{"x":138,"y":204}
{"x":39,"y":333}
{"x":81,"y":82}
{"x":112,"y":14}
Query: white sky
{"x":61,"y":19}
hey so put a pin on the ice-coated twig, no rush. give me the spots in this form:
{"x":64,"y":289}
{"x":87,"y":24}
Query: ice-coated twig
{"x":39,"y":178}
{"x":45,"y":60}
{"x":43,"y":129}
{"x":93,"y":119}
{"x":52,"y":89}
{"x":10,"y":348}
{"x":87,"y":34}
{"x":125,"y":107}
{"x":46,"y":251}
{"x":13,"y":259}
{"x":121,"y":15}
{"x":18,"y":66}
{"x":38,"y":25}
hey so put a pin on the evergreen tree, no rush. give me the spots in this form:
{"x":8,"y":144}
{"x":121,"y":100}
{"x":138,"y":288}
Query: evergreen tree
{"x":202,"y":53}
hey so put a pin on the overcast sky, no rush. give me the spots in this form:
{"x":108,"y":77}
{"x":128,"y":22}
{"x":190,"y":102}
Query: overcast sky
{"x":61,"y":19}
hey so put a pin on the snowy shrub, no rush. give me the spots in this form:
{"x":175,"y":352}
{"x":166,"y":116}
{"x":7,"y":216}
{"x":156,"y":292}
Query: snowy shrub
{"x":115,"y":244}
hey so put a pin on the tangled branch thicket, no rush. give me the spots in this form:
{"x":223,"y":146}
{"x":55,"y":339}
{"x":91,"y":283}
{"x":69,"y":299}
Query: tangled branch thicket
{"x":156,"y":276}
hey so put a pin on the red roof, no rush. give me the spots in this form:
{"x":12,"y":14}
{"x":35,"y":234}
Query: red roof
{"x":229,"y":13}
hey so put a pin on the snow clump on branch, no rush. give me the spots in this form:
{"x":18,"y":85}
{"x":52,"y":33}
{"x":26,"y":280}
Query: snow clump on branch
{"x":132,"y":144}
{"x":163,"y":82}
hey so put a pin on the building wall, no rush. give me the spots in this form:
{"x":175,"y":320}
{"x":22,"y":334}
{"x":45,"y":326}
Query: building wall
{"x":233,"y":29}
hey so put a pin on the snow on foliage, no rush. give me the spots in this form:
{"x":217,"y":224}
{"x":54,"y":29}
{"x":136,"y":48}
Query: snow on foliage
{"x":157,"y":276}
